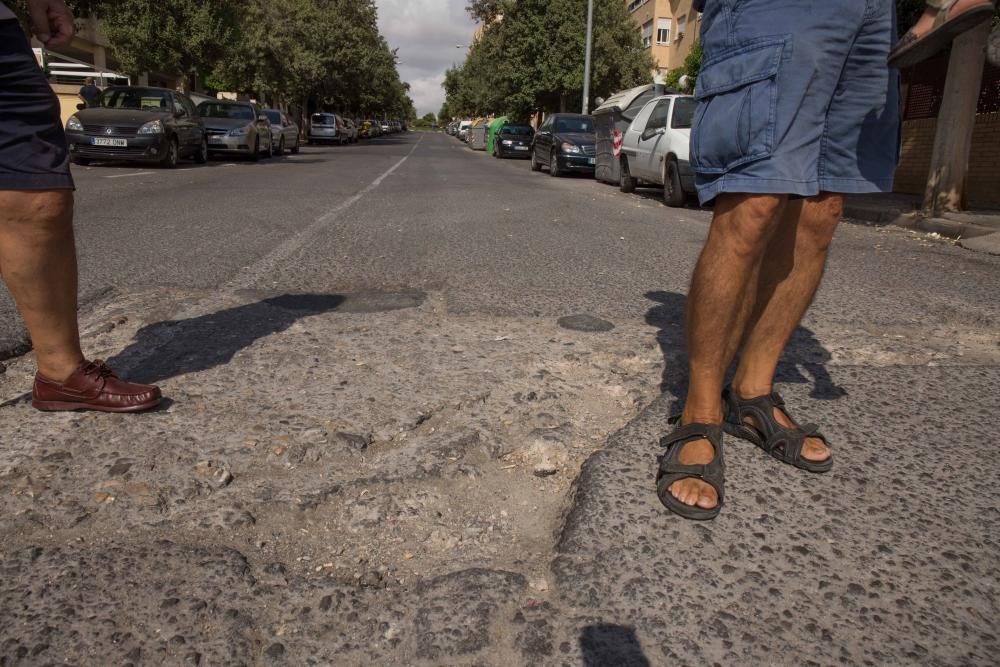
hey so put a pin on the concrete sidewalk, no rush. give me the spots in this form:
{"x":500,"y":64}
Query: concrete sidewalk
{"x":975,"y":230}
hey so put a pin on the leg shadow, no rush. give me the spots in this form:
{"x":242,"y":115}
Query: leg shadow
{"x":803,"y":353}
{"x":175,"y":347}
{"x":606,"y":645}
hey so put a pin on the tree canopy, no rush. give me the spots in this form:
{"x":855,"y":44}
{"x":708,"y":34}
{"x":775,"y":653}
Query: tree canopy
{"x":530,"y":54}
{"x":314,"y":53}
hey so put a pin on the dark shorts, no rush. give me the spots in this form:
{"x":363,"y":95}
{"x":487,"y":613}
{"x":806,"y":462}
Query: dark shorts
{"x":795,"y":97}
{"x":33,"y":153}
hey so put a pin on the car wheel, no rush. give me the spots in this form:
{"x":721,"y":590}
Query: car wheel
{"x":673,"y":195}
{"x":201,"y":157}
{"x":534,"y":161}
{"x":554,"y":164}
{"x":295,"y":146}
{"x":82,"y":161}
{"x":169,"y":159}
{"x":270,"y":147}
{"x":255,"y":154}
{"x":625,"y":182}
{"x":281,"y":146}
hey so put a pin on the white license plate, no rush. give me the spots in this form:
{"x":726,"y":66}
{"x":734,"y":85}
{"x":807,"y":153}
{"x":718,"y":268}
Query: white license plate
{"x":590,"y":160}
{"x":107,"y":141}
{"x":520,"y":148}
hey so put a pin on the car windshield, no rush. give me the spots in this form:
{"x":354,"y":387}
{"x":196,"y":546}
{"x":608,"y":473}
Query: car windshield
{"x":273,"y":116}
{"x":218,"y":110}
{"x":323,"y":119}
{"x":142,"y":99}
{"x":516,"y":131}
{"x":683,"y":112}
{"x":564,"y":125}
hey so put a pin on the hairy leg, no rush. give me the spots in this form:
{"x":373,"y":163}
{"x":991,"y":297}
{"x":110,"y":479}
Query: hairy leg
{"x":38,"y":263}
{"x":789,"y":276}
{"x":719,"y":303}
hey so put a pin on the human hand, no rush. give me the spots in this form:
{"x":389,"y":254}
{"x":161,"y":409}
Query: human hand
{"x":51,"y":22}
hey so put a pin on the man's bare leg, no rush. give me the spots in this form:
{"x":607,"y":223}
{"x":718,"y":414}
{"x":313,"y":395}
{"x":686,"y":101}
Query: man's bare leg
{"x":719,"y":303}
{"x":789,"y":276}
{"x":38,"y":263}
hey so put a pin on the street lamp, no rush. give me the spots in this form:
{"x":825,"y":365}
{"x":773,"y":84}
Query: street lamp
{"x":586,"y":60}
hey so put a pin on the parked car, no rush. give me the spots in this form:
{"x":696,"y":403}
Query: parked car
{"x":463,"y":129}
{"x":284,"y":131}
{"x":138,"y":123}
{"x":655,"y":148}
{"x":513,"y":141}
{"x":326,"y":128}
{"x":350,"y":130}
{"x":239,"y":128}
{"x":565,"y":142}
{"x":386,"y":128}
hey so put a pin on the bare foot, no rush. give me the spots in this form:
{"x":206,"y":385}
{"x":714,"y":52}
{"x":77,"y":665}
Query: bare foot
{"x":926,"y":21}
{"x":691,"y":490}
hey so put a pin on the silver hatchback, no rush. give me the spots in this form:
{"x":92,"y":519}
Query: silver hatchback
{"x":236,"y":127}
{"x":284,"y":132}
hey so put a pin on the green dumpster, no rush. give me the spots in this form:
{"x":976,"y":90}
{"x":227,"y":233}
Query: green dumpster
{"x":494,"y":128}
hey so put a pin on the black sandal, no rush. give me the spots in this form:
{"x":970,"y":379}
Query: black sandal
{"x":781,"y":442}
{"x":910,"y":49}
{"x":672,"y":470}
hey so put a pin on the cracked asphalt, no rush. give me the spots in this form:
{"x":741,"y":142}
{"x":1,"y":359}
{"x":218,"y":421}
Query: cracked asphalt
{"x":414,"y":399}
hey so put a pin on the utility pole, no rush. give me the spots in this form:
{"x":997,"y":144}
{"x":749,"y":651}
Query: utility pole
{"x":586,"y":60}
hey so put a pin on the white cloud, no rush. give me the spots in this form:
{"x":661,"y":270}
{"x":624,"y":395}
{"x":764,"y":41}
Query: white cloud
{"x":426,"y":33}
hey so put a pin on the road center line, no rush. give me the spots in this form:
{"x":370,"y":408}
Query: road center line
{"x":266,"y":264}
{"x":138,"y":173}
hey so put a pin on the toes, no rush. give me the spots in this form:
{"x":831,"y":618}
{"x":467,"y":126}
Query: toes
{"x":708,"y":498}
{"x":816,"y":450}
{"x":693,"y":492}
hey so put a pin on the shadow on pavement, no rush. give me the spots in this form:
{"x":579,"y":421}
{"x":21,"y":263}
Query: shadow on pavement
{"x":606,"y":645}
{"x":175,"y":347}
{"x":804,"y":356}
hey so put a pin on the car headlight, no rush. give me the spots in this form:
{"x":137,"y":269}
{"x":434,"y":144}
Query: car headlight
{"x":74,"y":124}
{"x":570,"y":148}
{"x":152,"y":127}
{"x":239,"y":131}
{"x":507,"y":142}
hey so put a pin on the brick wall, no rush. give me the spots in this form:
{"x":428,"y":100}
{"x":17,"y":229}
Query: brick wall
{"x":984,"y":163}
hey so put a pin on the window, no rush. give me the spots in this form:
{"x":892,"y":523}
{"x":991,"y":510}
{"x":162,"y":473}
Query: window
{"x":636,"y":4}
{"x":224,"y":110}
{"x":681,"y":25}
{"x":189,"y":107}
{"x":658,"y":118}
{"x":662,"y":31}
{"x":683,"y":112}
{"x":647,"y":34}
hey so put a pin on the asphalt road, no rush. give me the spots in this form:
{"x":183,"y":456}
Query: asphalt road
{"x":416,"y":464}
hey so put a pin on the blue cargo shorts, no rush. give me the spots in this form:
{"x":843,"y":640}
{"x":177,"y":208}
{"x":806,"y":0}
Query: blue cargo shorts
{"x":33,"y":151}
{"x":795,"y":97}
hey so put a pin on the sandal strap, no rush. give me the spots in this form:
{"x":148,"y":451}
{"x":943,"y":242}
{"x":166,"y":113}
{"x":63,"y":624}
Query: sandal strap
{"x":790,"y":442}
{"x":672,"y":469}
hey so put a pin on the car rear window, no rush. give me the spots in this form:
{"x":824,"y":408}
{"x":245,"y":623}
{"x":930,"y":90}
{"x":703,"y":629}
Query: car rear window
{"x":273,"y":116}
{"x":683,"y":112}
{"x":323,"y":119}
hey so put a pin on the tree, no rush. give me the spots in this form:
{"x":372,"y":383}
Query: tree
{"x":529,"y":56}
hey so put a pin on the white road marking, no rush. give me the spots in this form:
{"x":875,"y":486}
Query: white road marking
{"x":138,"y":173}
{"x":266,"y":265}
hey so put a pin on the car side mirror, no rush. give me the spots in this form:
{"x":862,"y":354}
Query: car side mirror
{"x":652,"y":132}
{"x":81,"y":106}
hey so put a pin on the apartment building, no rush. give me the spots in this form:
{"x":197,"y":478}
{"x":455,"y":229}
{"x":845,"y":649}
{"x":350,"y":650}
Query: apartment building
{"x":668,"y":29}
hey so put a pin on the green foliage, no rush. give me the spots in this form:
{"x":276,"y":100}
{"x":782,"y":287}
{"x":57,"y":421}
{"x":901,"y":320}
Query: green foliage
{"x":691,"y":67}
{"x":313,"y":53}
{"x":532,"y":58}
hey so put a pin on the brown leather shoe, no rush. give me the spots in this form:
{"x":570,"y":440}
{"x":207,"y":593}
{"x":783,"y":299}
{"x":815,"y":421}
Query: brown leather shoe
{"x":93,"y":386}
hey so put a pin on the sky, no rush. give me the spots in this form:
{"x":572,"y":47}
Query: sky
{"x":426,"y":33}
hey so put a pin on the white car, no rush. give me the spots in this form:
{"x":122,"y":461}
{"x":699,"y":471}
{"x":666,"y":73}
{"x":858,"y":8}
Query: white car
{"x":463,"y":129}
{"x":655,"y":148}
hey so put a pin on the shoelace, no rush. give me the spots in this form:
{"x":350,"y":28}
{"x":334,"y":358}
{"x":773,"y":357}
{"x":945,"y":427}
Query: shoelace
{"x":98,"y":369}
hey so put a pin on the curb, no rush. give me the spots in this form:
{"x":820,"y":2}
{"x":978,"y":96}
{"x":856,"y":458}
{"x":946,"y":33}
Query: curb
{"x":954,"y":229}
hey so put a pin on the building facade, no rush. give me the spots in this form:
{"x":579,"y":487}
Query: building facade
{"x":668,"y":28}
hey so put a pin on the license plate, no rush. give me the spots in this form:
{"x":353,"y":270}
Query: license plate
{"x":107,"y":141}
{"x":520,"y":148}
{"x":590,"y":160}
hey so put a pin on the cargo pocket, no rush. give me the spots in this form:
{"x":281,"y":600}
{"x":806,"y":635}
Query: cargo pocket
{"x":737,"y":98}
